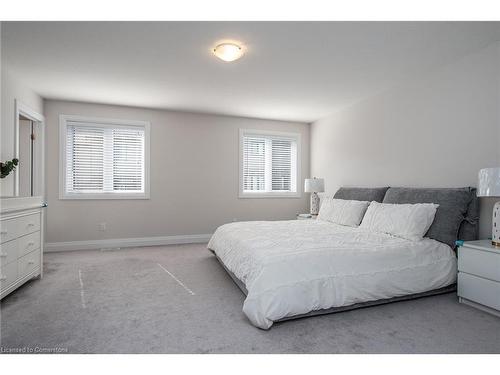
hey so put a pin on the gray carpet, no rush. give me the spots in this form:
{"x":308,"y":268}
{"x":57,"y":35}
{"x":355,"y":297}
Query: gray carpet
{"x":127,"y":303}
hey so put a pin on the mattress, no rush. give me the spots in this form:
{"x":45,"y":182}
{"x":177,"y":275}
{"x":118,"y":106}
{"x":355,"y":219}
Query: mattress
{"x":293,"y":268}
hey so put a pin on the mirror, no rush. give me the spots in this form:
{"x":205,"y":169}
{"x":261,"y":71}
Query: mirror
{"x":25,"y":167}
{"x":29,"y":133}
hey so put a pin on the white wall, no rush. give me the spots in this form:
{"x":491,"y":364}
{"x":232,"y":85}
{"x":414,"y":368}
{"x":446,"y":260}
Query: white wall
{"x":13,"y":88}
{"x":435,"y":131}
{"x":194,"y":178}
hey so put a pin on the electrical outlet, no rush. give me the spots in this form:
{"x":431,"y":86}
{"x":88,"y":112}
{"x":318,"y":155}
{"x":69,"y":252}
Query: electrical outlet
{"x":102,"y":227}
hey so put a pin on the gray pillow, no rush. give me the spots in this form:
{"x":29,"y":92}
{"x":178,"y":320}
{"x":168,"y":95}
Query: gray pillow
{"x":453,"y":205}
{"x":361,"y":194}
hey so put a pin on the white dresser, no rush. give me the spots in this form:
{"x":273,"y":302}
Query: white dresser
{"x":21,"y":249}
{"x":479,"y":275}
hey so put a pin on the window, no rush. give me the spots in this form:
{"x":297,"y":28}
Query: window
{"x":103,"y":158}
{"x":269,"y":164}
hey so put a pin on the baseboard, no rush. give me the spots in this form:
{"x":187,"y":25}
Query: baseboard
{"x":479,"y":306}
{"x":125,"y":242}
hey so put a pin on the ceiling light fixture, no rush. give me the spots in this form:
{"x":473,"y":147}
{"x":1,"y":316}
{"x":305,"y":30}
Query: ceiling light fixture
{"x":228,"y":51}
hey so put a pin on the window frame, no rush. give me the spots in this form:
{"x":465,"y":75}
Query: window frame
{"x":269,"y":194}
{"x":92,"y":121}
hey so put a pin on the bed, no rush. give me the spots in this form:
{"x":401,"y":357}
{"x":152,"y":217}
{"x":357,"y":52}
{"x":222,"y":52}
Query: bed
{"x":297,"y":268}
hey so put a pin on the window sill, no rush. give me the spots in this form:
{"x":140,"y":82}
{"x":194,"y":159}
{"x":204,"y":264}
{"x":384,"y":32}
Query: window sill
{"x":101,"y":196}
{"x":268,"y":195}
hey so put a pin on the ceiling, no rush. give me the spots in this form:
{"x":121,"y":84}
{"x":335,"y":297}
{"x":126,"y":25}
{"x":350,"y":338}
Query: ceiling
{"x":297,"y":71}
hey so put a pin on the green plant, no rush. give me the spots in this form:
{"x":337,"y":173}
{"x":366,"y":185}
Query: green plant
{"x":8,"y":167}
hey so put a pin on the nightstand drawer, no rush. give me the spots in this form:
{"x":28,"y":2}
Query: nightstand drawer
{"x":483,"y":291}
{"x":480,"y":263}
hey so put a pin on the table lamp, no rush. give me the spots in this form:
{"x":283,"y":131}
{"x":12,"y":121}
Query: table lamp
{"x":489,"y":186}
{"x":314,"y":186}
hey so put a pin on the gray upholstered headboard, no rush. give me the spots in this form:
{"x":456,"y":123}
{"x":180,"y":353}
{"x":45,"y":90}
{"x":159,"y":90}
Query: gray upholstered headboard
{"x":362,"y":194}
{"x":457,"y":217}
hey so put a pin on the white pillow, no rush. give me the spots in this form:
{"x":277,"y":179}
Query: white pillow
{"x":343,"y":212}
{"x":409,"y":221}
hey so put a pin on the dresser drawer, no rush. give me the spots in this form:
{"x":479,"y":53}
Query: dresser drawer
{"x":480,"y":263}
{"x":8,"y":275}
{"x":8,"y":230}
{"x":483,"y":291}
{"x":28,"y":243}
{"x":19,"y":226}
{"x":28,"y":263}
{"x":8,"y":252}
{"x":28,"y":224}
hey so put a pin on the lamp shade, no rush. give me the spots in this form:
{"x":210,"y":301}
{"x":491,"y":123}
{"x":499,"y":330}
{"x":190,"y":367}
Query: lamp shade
{"x":489,"y":182}
{"x":314,"y":185}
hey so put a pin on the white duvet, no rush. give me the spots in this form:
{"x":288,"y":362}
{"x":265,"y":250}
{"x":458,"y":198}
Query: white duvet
{"x":295,"y":267}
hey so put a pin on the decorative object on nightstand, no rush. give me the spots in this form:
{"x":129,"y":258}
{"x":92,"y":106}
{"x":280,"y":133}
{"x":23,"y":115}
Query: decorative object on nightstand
{"x":489,"y":186}
{"x":479,"y":275}
{"x":314,"y":186}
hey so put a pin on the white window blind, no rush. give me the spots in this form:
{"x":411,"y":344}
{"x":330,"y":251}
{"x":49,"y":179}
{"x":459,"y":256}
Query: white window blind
{"x":104,"y":159}
{"x":128,"y":160}
{"x":269,"y":163}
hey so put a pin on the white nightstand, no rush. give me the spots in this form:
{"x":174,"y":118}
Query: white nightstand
{"x":311,"y":217}
{"x":479,"y":275}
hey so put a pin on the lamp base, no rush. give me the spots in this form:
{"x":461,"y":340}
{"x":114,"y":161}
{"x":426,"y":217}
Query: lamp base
{"x":314,"y":204}
{"x":495,"y":233}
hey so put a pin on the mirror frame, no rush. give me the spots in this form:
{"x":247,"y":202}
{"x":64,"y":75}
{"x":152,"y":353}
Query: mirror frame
{"x":38,"y":147}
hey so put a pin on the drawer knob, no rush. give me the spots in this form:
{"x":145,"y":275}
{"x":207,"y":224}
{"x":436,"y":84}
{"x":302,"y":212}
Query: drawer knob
{"x":31,"y":225}
{"x":31,"y":262}
{"x":2,"y":278}
{"x":4,"y":232}
{"x":31,"y":243}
